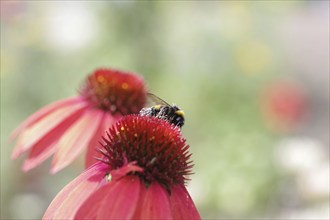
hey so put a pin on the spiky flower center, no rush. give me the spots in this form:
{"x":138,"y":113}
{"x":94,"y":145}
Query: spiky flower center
{"x":115,"y":91}
{"x":156,"y":146}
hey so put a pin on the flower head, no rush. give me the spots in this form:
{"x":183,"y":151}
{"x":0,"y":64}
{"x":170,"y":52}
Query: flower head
{"x":65,"y":128}
{"x":141,"y":175}
{"x":114,"y":91}
{"x":153,"y":145}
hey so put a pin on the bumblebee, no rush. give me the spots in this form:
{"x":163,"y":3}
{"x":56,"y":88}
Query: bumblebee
{"x":163,"y":110}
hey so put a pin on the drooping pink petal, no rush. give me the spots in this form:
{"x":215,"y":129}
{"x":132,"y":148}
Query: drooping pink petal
{"x":76,"y":138}
{"x":153,"y":203}
{"x":42,"y":113}
{"x":68,"y":201}
{"x":182,"y":205}
{"x":94,"y":144}
{"x":35,"y":133}
{"x":46,"y":146}
{"x":116,"y":200}
{"x":39,"y":154}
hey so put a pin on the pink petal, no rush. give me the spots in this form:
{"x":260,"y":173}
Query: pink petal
{"x":123,"y":201}
{"x":43,"y":112}
{"x":46,"y":146}
{"x":94,"y":144}
{"x":76,"y":138}
{"x":33,"y":134}
{"x":68,"y":201}
{"x":182,"y":205}
{"x":92,"y":152}
{"x":38,"y":154}
{"x":116,"y":200}
{"x":153,"y":203}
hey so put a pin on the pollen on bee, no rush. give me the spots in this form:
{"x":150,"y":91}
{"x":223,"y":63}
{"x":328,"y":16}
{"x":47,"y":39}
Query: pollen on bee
{"x":157,"y":107}
{"x":179,"y":112}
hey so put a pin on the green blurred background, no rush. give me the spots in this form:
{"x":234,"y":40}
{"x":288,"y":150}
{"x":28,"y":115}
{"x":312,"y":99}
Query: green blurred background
{"x":231,"y":66}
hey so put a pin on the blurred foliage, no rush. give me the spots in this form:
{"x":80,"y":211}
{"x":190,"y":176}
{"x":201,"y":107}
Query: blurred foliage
{"x":213,"y":59}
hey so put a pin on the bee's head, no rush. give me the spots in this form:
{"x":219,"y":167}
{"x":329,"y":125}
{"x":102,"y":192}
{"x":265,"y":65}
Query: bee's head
{"x":178,"y":119}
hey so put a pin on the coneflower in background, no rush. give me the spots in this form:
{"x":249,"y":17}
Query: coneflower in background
{"x":142,"y":174}
{"x":65,"y":128}
{"x":284,"y":105}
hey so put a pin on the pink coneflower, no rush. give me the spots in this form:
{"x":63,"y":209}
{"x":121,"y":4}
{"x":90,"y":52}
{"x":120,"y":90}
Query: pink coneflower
{"x":142,"y":174}
{"x":65,"y":128}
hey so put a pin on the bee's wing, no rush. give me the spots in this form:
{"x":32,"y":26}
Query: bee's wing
{"x":156,"y":100}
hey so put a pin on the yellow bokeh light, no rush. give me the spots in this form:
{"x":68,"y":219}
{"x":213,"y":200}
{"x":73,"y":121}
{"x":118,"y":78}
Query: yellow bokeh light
{"x":253,"y":57}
